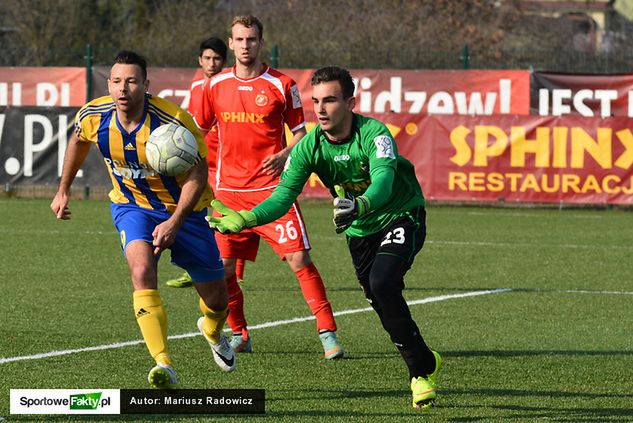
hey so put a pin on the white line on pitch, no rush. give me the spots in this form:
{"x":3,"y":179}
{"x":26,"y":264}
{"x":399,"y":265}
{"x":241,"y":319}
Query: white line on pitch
{"x":259,"y":326}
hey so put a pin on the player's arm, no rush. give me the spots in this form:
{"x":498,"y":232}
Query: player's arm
{"x":274,"y":164}
{"x":75,"y":155}
{"x":165,"y":233}
{"x":382,"y":152}
{"x":293,"y":180}
{"x":201,"y":108}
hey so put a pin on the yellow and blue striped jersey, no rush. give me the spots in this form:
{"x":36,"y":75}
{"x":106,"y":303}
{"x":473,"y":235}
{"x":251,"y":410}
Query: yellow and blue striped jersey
{"x":133,"y":180}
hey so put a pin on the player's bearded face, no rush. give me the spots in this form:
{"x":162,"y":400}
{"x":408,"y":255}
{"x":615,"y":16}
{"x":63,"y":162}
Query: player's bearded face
{"x":334,"y":113}
{"x":245,"y":43}
{"x":127,"y":87}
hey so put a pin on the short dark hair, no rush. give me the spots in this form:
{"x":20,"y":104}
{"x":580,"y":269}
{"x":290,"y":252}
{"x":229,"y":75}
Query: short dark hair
{"x":127,"y":57}
{"x":214,"y":44}
{"x":335,"y":73}
{"x":249,"y":21}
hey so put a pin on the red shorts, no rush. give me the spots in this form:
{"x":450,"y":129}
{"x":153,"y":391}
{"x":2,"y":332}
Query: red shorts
{"x":285,"y":235}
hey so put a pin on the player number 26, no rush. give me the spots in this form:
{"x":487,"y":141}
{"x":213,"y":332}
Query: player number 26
{"x":396,"y":236}
{"x":289,"y":232}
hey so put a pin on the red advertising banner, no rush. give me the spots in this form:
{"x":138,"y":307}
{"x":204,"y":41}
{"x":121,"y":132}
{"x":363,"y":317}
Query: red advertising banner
{"x":516,"y":158}
{"x":462,"y":92}
{"x":43,"y":87}
{"x":436,"y":92}
{"x":561,"y":94}
{"x":441,"y":121}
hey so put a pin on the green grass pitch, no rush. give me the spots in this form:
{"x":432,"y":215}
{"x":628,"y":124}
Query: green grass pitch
{"x":556,"y":345}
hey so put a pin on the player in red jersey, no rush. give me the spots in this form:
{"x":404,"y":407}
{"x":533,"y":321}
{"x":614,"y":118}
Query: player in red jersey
{"x":211,"y":58}
{"x":251,"y":103}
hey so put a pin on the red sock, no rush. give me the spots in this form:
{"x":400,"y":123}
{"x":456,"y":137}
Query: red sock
{"x":236,"y":319}
{"x":239,"y":268}
{"x":313,"y":292}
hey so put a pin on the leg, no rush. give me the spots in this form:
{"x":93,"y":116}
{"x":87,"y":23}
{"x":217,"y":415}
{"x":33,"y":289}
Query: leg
{"x":381,"y":261}
{"x":236,"y":247}
{"x":135,"y":227}
{"x":385,"y":287}
{"x":236,"y":319}
{"x":313,"y":291}
{"x":214,"y":306}
{"x":148,"y":306}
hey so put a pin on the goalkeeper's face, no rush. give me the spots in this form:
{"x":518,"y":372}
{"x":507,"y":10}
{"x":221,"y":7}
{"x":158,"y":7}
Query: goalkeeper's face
{"x":333,"y":111}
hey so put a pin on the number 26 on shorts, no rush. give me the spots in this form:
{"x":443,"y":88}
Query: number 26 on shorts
{"x":287,"y":232}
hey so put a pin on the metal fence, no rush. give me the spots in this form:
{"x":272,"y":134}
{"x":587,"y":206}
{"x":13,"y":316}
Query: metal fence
{"x":388,"y":58}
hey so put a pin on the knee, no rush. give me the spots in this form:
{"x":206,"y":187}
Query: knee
{"x":379,"y":287}
{"x":298,"y":260}
{"x":143,"y":277}
{"x":214,"y":295}
{"x":229,"y":267}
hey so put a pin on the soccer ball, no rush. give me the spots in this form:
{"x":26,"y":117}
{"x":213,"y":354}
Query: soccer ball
{"x":171,"y":149}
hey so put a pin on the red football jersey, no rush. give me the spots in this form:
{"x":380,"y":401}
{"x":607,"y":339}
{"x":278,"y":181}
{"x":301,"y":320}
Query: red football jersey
{"x":250,"y":115}
{"x":211,"y":139}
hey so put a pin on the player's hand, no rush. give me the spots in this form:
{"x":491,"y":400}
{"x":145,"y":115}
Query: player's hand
{"x":164,"y":235}
{"x":231,"y":221}
{"x":347,"y":208}
{"x":274,"y":164}
{"x":59,"y":206}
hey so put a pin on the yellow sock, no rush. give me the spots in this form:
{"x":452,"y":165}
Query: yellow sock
{"x":214,"y":321}
{"x":152,"y":319}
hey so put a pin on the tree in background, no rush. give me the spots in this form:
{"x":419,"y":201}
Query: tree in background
{"x":410,"y":34}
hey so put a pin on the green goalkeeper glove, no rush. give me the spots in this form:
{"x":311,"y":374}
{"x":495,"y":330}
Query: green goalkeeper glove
{"x":231,"y":221}
{"x":347,"y":208}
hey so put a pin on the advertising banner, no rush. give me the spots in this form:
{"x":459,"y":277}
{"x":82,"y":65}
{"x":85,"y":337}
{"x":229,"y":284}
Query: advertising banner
{"x":515,"y":159}
{"x":522,"y":158}
{"x":462,"y":92}
{"x":43,"y":87}
{"x":32,"y":145}
{"x":561,"y":94}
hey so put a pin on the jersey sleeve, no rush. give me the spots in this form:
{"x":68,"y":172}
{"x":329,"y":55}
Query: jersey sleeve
{"x":203,"y":111}
{"x":383,"y":161}
{"x":195,"y":97}
{"x":293,"y":115}
{"x":86,"y":125}
{"x":296,"y":173}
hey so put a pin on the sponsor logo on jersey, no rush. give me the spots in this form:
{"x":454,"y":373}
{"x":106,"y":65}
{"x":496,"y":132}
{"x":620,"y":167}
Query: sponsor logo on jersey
{"x":384,"y":147}
{"x":130,"y":170}
{"x":244,"y":88}
{"x":261,"y":99}
{"x":130,"y":147}
{"x":296,"y":97}
{"x":342,"y":157}
{"x":242,"y":117}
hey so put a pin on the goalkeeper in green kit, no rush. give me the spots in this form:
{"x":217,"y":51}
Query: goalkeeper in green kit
{"x":378,"y":204}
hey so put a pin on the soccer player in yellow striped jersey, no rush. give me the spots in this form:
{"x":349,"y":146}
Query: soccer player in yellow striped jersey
{"x":151,"y":212}
{"x":133,"y":180}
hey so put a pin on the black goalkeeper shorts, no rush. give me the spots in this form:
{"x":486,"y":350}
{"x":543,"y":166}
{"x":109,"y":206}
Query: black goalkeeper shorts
{"x":402,"y":239}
